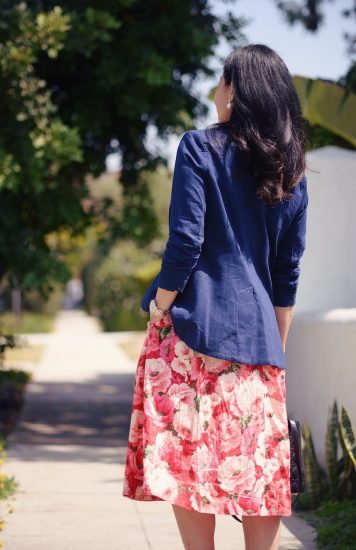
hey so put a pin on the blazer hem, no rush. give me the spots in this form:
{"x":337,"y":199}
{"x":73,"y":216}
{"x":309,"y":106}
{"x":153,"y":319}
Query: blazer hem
{"x":199,"y":347}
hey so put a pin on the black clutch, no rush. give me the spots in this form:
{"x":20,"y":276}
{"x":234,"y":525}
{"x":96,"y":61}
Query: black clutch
{"x":297,"y":475}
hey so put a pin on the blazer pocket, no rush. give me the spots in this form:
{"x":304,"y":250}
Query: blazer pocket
{"x":246,"y":321}
{"x":236,"y":331}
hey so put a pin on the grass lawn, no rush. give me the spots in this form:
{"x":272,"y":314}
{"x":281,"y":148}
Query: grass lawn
{"x":27,"y":323}
{"x":335,"y":523}
{"x":23,"y":355}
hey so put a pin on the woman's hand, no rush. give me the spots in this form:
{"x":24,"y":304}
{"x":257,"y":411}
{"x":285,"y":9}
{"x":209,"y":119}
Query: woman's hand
{"x":155,"y":317}
{"x":284,"y":316}
{"x":164,"y":300}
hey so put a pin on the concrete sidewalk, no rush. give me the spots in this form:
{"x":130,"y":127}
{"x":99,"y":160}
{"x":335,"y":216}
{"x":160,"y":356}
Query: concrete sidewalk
{"x":68,"y":455}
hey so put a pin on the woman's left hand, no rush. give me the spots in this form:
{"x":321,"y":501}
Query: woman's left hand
{"x":164,"y":300}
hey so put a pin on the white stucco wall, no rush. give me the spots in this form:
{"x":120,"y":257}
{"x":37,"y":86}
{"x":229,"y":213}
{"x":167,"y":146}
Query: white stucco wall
{"x":328,"y":266}
{"x":321,"y":359}
{"x":321,"y":344}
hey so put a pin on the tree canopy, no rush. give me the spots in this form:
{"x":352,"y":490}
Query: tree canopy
{"x":311,"y":14}
{"x":81,"y":79}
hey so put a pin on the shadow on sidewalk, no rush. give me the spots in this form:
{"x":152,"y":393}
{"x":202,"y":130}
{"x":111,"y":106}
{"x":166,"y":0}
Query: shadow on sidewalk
{"x":95,"y":413}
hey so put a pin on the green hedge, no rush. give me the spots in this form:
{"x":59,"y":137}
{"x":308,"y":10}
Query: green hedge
{"x":335,"y":523}
{"x":114,"y":286}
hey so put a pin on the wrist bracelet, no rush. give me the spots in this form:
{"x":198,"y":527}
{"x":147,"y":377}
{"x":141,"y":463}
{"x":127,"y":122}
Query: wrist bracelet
{"x":162,"y":311}
{"x":156,"y":310}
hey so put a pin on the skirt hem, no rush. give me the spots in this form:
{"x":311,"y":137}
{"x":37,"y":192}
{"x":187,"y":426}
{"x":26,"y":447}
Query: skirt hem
{"x":224,"y":508}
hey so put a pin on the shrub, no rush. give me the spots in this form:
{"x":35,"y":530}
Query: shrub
{"x":335,"y":523}
{"x":338,"y":481}
{"x":8,"y":487}
{"x":114,"y":288}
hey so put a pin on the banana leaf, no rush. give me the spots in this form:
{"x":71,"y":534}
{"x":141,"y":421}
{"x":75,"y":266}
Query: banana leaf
{"x":329,"y":105}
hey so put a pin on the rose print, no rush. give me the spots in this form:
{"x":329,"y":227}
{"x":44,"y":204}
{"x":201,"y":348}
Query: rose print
{"x":215,"y":365}
{"x":160,"y":409}
{"x":162,"y":483}
{"x":206,"y":384}
{"x":157,"y":375}
{"x":205,"y":433}
{"x":186,"y":423}
{"x":169,"y":450}
{"x":236,"y":474}
{"x":228,"y":434}
{"x":136,"y":427}
{"x":204,"y":498}
{"x":249,"y":505}
{"x":249,"y":441}
{"x":181,"y":393}
{"x":204,"y":461}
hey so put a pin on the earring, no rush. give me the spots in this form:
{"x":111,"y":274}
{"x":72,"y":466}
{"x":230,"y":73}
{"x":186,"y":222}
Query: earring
{"x":229,"y":105}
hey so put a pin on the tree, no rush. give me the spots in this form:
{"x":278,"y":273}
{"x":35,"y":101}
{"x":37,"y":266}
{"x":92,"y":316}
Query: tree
{"x":76,"y":78}
{"x":310,"y":13}
{"x":36,"y":151}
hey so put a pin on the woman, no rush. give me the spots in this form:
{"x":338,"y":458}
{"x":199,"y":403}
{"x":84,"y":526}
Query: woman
{"x":209,"y":430}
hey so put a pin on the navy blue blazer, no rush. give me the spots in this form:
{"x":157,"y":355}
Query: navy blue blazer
{"x":231,"y":256}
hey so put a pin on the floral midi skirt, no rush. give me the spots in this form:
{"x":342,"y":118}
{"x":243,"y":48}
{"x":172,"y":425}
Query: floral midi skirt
{"x":207,"y":434}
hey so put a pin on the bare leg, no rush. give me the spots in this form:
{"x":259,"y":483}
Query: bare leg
{"x":261,"y":532}
{"x":196,"y":528}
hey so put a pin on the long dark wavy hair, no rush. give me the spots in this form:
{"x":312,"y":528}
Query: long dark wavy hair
{"x":266,"y":120}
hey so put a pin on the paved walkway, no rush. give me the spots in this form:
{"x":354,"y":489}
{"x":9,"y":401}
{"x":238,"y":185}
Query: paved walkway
{"x":68,"y":453}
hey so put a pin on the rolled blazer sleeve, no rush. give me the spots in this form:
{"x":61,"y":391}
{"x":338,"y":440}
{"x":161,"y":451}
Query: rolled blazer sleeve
{"x":186,"y":213}
{"x":286,"y":269}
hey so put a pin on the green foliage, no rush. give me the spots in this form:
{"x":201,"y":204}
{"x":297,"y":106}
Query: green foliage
{"x":347,"y":436}
{"x":6,"y":341}
{"x":73,"y":78}
{"x":323,"y":127}
{"x":50,"y":142}
{"x":143,"y":263}
{"x":311,"y":14}
{"x":317,"y":136}
{"x":348,"y":81}
{"x":147,"y":273}
{"x":328,"y":105}
{"x":335,"y":523}
{"x":331,"y":444}
{"x":28,"y":323}
{"x":307,"y":12}
{"x":114,"y":286}
{"x":338,"y":482}
{"x":8,"y":486}
{"x":14,"y":376}
{"x":12,"y":386}
{"x":314,"y":474}
{"x":36,"y":147}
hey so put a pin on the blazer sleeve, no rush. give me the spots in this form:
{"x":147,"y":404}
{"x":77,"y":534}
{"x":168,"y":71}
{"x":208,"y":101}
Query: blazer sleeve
{"x":186,"y":213}
{"x":286,"y":270}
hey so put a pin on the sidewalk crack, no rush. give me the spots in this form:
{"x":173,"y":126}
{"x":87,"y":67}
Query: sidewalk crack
{"x":149,"y":545}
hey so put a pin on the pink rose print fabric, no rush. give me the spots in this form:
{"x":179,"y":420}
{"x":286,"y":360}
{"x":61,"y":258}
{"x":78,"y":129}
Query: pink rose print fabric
{"x":207,"y":434}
